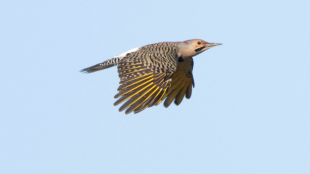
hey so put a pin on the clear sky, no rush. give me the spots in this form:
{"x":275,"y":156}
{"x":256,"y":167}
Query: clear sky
{"x":249,"y":111}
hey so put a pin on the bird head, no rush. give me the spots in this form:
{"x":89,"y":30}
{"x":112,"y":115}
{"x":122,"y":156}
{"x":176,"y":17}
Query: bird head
{"x":190,"y":48}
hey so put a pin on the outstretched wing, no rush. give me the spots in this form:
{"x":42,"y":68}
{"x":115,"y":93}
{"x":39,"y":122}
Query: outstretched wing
{"x":143,"y":88}
{"x":182,"y":83}
{"x":140,"y":86}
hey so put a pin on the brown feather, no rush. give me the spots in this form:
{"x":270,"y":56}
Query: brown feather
{"x":180,"y":96}
{"x":143,"y":86}
{"x":189,"y":91}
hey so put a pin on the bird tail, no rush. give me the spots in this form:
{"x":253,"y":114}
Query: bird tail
{"x":100,"y":66}
{"x":108,"y":63}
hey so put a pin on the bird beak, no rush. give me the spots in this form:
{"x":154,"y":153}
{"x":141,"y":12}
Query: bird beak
{"x":206,"y":46}
{"x":213,"y":44}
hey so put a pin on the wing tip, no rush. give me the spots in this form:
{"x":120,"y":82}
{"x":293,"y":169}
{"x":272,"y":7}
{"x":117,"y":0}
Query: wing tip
{"x":166,"y":103}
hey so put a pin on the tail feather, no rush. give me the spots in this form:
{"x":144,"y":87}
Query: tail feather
{"x":108,"y":63}
{"x":100,"y":66}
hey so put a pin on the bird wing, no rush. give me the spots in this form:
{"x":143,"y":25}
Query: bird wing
{"x":142,"y":87}
{"x":182,"y":83}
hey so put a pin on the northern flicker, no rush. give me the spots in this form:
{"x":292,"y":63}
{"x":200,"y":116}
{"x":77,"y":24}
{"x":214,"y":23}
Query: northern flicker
{"x":152,"y":73}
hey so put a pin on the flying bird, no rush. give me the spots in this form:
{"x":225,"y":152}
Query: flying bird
{"x":152,"y":73}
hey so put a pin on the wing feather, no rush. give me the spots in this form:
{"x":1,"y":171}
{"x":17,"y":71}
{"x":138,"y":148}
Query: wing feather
{"x":182,"y":82}
{"x":140,"y":87}
{"x":180,"y":96}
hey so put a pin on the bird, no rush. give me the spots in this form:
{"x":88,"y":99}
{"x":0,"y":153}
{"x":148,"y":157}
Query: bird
{"x":153,"y":73}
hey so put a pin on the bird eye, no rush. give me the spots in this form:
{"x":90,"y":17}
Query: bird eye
{"x":198,"y":42}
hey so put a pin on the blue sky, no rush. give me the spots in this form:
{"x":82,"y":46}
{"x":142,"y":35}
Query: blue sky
{"x":249,"y":111}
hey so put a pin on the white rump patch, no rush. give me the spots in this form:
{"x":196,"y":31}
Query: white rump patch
{"x":130,"y":51}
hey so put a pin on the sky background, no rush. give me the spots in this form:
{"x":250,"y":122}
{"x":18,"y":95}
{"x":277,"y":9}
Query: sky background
{"x":249,"y":111}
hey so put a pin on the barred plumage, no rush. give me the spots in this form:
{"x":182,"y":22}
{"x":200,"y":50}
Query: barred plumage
{"x":155,"y":72}
{"x":108,"y":63}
